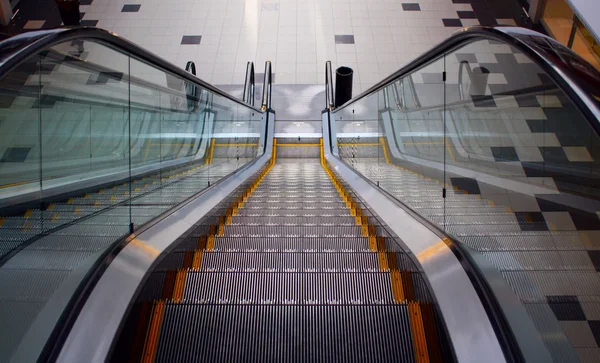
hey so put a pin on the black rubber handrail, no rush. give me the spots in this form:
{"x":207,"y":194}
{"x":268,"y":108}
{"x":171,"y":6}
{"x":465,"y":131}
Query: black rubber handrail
{"x":249,"y":86}
{"x":329,"y":101}
{"x":579,"y":80}
{"x":18,"y":49}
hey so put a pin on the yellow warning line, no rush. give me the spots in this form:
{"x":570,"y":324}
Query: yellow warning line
{"x":290,"y":145}
{"x":225,"y":145}
{"x":179,"y":285}
{"x":356,"y":145}
{"x":211,"y":151}
{"x":450,"y":151}
{"x":424,"y":143}
{"x":153,"y":332}
{"x":386,"y":152}
{"x":401,"y":281}
{"x":207,"y":243}
{"x":418,"y":333}
{"x":197,"y":263}
{"x":17,"y":184}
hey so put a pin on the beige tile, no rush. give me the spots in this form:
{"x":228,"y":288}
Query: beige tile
{"x":34,"y":24}
{"x":577,"y":153}
{"x":559,"y":221}
{"x":591,"y":239}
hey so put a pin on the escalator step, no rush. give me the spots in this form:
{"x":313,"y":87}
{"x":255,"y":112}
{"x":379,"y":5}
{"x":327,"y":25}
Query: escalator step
{"x":288,"y":288}
{"x":250,"y":333}
{"x":290,"y":244}
{"x":282,"y":262}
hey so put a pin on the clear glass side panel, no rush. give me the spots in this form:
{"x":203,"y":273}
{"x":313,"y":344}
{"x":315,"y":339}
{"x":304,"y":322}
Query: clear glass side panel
{"x":234,"y":136}
{"x":84,"y":108}
{"x":20,"y":148}
{"x":528,"y":163}
{"x":383,"y":135}
{"x":95,"y":144}
{"x":521,"y":169}
{"x":358,"y":135}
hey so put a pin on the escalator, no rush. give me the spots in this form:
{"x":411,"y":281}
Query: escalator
{"x":150,"y":216}
{"x":294,"y":263}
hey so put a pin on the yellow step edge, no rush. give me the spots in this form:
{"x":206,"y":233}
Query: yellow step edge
{"x":197,"y":262}
{"x":179,"y":288}
{"x":151,"y":341}
{"x":418,"y":333}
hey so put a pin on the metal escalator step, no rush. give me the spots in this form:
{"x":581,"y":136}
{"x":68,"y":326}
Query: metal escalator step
{"x":475,"y":211}
{"x":18,"y":234}
{"x":280,"y":262}
{"x":475,"y":219}
{"x":280,"y":204}
{"x":291,"y":244}
{"x":293,"y":231}
{"x":16,"y":318}
{"x":322,"y":220}
{"x":29,"y":285}
{"x":438,"y":202}
{"x":482,"y":229}
{"x":94,"y":230}
{"x":71,"y":243}
{"x":316,"y":188}
{"x":250,"y":333}
{"x":525,"y":241}
{"x":432,"y":196}
{"x":293,"y":197}
{"x":292,"y":279}
{"x":288,"y":288}
{"x":47,"y":260}
{"x":252,"y":212}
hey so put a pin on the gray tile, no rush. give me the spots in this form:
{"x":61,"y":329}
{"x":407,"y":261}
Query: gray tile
{"x":466,"y":14}
{"x":131,"y":8}
{"x":191,"y":39}
{"x":588,"y":355}
{"x":89,"y":22}
{"x":411,"y":7}
{"x":579,"y":333}
{"x":15,"y":154}
{"x":566,"y":308}
{"x":452,"y":22}
{"x":344,"y":39}
{"x":260,"y":77}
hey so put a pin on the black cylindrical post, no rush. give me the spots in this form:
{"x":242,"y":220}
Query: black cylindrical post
{"x":343,"y":85}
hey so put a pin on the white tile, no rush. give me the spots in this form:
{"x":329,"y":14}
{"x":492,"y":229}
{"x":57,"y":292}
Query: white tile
{"x":289,"y":57}
{"x":225,"y":65}
{"x":285,"y":78}
{"x":306,"y":57}
{"x":366,"y":57}
{"x":345,"y":48}
{"x":346,"y":57}
{"x":306,"y":67}
{"x":285,"y":67}
{"x":306,"y":77}
{"x":221,"y":78}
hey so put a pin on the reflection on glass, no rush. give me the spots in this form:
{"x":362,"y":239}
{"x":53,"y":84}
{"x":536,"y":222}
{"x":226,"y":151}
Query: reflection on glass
{"x":95,"y":144}
{"x":519,"y":164}
{"x":559,"y":20}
